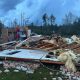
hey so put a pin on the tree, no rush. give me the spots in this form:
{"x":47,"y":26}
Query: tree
{"x":45,"y":19}
{"x":15,"y":22}
{"x":1,"y":26}
{"x":52,"y":19}
{"x":69,"y":19}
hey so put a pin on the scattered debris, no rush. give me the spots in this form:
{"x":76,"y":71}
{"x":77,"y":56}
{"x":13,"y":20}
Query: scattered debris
{"x":62,"y":50}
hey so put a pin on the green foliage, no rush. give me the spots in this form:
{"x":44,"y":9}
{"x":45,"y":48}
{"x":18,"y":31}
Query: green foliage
{"x":44,"y":30}
{"x":39,"y":74}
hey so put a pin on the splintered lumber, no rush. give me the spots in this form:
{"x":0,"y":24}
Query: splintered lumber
{"x":46,"y":46}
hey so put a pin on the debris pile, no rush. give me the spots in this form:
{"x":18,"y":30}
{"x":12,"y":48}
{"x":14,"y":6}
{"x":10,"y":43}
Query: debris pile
{"x":69,"y":75}
{"x":67,"y":50}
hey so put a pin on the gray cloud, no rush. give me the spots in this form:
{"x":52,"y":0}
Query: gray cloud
{"x":34,"y":9}
{"x":7,"y":5}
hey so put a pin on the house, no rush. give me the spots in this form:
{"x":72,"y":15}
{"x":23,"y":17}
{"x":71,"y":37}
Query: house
{"x":14,"y":33}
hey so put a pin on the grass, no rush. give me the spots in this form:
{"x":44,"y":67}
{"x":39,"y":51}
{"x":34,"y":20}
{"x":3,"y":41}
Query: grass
{"x":43,"y":73}
{"x":39,"y":74}
{"x":13,"y":76}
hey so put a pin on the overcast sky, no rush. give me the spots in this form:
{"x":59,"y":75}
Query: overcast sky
{"x":34,"y":9}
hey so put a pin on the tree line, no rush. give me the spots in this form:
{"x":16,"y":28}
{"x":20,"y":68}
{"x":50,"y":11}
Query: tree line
{"x":70,"y":25}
